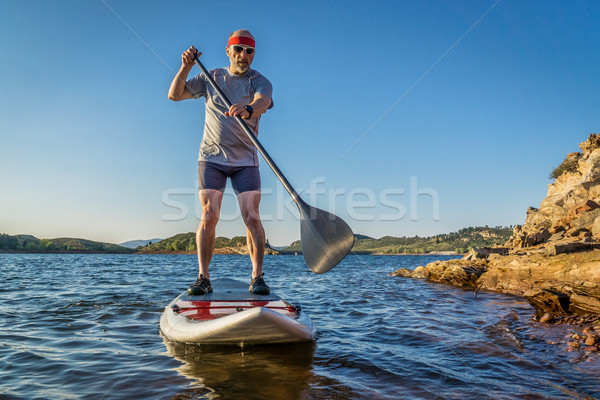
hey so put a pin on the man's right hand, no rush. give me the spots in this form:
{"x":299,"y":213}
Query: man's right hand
{"x":178,"y":90}
{"x":187,"y":58}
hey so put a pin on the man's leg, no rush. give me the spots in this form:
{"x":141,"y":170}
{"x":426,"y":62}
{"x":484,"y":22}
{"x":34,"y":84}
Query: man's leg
{"x":210,"y":199}
{"x":249,"y":203}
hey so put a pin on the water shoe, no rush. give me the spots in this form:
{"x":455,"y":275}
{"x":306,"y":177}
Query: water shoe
{"x":200,"y":287}
{"x":258,"y":285}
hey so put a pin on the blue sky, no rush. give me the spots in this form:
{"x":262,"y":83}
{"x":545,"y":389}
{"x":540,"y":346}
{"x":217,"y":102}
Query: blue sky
{"x":406,"y":118}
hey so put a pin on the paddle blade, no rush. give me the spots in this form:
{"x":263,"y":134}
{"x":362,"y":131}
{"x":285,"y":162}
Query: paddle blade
{"x":326,"y":239}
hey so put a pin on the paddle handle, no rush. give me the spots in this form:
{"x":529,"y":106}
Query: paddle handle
{"x":251,"y":135}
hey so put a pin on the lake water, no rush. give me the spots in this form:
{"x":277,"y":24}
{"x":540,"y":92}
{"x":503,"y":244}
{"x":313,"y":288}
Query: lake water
{"x":87,"y":327}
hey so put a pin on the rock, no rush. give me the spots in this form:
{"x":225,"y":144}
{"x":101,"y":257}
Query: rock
{"x":596,"y":227}
{"x":546,"y":317}
{"x":585,"y":300}
{"x":476,"y":253}
{"x":557,"y":236}
{"x":589,"y":205}
{"x":592,"y":143}
{"x":542,"y":236}
{"x":591,"y":349}
{"x":547,"y":301}
{"x":484,"y":252}
{"x":405,"y":272}
{"x":586,"y":220}
{"x":588,"y":330}
{"x":536,"y":238}
{"x":574,"y":345}
{"x":590,"y":340}
{"x":553,"y":249}
{"x":420,"y":273}
{"x":453,"y":272}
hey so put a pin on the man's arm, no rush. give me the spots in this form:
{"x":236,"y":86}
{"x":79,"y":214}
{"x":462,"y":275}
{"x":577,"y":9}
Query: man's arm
{"x":260,"y":104}
{"x":178,"y":91}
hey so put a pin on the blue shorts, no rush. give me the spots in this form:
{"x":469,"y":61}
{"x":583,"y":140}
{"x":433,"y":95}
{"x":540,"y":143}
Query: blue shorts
{"x":214,"y":176}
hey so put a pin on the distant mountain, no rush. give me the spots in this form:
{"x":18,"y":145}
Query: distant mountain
{"x":186,"y":243}
{"x":458,"y":242}
{"x":132,"y":244}
{"x":31,"y":244}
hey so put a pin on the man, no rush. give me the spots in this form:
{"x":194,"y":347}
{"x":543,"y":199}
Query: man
{"x":226,"y":151}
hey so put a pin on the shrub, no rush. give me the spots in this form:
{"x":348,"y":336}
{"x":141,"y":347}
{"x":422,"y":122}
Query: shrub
{"x":568,"y":165}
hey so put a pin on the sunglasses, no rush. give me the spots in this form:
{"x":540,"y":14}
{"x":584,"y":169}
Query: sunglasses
{"x":240,"y":49}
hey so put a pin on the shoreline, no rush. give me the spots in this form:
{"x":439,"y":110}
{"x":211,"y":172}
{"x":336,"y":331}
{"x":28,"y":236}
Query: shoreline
{"x":226,"y":252}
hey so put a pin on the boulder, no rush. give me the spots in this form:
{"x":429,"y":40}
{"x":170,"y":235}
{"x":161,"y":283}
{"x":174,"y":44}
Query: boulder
{"x":548,"y":301}
{"x":553,"y":249}
{"x":586,"y":219}
{"x":452,"y":272}
{"x":585,"y":300}
{"x":554,"y":229}
{"x":546,"y":317}
{"x":590,"y":340}
{"x":589,"y":205}
{"x":475,"y":253}
{"x":456,"y":272}
{"x":596,"y":227}
{"x":482,"y":253}
{"x":592,"y":143}
{"x":405,"y":272}
{"x":557,"y":236}
{"x":420,"y":273}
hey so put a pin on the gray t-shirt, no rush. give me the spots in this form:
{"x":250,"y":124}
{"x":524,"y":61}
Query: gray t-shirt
{"x":224,"y":141}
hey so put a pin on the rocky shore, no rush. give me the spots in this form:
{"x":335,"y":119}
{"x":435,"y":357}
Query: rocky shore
{"x":553,"y":259}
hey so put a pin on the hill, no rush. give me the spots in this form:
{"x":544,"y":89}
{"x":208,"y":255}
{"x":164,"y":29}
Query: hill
{"x":457,"y":242}
{"x":186,"y":243}
{"x":31,"y":244}
{"x":133,"y":244}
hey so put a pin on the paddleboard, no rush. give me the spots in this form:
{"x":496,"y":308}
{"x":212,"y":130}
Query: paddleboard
{"x":233,"y":315}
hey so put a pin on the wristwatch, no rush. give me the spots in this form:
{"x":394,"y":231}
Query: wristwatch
{"x":250,"y":110}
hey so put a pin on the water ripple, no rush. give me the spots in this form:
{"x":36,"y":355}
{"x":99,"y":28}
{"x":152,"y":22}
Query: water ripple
{"x":86,"y":327}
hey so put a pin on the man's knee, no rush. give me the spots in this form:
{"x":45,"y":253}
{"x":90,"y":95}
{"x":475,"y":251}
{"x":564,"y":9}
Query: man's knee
{"x":252,"y":221}
{"x":249,"y":205}
{"x":211,"y":206}
{"x":209,"y":217}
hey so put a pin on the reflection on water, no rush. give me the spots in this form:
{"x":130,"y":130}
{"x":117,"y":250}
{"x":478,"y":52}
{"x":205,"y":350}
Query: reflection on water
{"x":266,"y":372}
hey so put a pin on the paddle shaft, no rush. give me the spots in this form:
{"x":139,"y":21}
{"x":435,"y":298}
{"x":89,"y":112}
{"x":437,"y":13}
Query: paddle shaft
{"x":326,"y":238}
{"x":251,"y":135}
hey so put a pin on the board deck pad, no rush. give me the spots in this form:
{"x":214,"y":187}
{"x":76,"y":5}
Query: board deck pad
{"x":225,"y":289}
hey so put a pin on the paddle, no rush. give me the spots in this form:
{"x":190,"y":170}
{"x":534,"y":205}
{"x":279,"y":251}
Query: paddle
{"x":326,"y":238}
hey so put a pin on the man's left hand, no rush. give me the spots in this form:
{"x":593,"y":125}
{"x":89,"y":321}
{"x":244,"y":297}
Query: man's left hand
{"x":237,"y":109}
